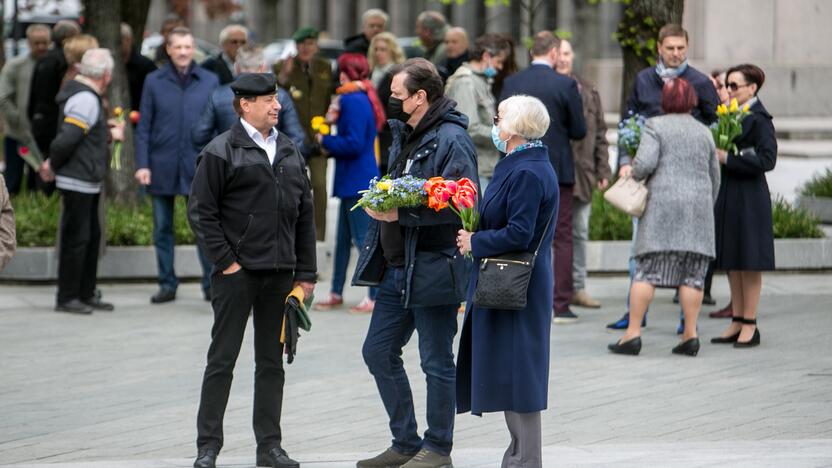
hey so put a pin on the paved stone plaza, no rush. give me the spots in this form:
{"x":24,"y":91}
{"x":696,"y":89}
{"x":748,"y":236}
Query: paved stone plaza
{"x":120,"y":390}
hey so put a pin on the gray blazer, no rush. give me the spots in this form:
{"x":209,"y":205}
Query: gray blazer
{"x":14,"y":95}
{"x":678,"y":155}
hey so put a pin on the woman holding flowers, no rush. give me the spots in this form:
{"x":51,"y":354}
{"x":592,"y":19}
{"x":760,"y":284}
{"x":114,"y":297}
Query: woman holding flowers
{"x":360,"y":116}
{"x":744,"y":232}
{"x":503,"y":360}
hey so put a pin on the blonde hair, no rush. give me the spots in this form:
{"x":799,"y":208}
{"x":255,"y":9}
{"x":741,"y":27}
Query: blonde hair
{"x":75,"y":46}
{"x":524,"y":116}
{"x":396,"y":52}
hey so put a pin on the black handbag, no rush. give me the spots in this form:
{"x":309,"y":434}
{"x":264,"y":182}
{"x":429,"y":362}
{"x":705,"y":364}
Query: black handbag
{"x":503,"y":281}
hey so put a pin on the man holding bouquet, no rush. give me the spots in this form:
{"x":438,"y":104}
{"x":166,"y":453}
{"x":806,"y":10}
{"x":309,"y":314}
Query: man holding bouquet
{"x":646,"y":101}
{"x":411,"y":255}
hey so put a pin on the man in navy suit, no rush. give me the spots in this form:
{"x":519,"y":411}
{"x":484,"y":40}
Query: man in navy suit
{"x":563,"y":101}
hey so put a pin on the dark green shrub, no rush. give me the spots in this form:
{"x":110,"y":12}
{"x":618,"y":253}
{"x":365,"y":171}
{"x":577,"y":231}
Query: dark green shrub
{"x":819,"y":186}
{"x":791,"y":222}
{"x":608,"y":223}
{"x":37,"y":221}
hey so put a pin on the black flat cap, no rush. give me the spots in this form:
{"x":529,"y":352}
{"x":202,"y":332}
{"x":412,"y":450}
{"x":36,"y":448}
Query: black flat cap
{"x":254,"y":84}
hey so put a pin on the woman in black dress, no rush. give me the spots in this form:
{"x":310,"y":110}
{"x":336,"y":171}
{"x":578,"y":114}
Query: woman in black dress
{"x":744,"y":232}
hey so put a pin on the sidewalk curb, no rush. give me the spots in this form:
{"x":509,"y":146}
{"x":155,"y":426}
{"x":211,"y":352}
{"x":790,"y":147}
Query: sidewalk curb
{"x":139,"y":263}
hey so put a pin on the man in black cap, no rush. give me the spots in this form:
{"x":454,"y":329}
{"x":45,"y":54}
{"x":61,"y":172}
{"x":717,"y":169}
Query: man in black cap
{"x":251,"y":209}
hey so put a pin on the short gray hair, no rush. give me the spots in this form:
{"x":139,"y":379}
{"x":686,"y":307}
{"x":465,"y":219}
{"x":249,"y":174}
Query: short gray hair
{"x":230,"y":29}
{"x":96,"y":63}
{"x":525,"y":116}
{"x":375,"y":13}
{"x":249,"y":59}
{"x":35,"y":28}
{"x":434,"y":22}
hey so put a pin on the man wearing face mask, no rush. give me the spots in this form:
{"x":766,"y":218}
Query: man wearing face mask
{"x":411,"y":255}
{"x":563,"y":101}
{"x":470,"y":87}
{"x":646,"y":99}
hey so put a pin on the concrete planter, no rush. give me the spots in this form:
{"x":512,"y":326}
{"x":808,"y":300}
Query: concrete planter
{"x":818,"y":206}
{"x":139,"y":263}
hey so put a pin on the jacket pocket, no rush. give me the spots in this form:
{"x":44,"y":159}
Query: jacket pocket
{"x":439,"y":278}
{"x":242,"y":238}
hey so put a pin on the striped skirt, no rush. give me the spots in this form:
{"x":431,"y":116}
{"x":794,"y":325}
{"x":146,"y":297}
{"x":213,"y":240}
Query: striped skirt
{"x":672,"y":269}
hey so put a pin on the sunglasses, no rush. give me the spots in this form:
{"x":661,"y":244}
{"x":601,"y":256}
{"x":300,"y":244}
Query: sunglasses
{"x":735,"y":86}
{"x":496,"y":120}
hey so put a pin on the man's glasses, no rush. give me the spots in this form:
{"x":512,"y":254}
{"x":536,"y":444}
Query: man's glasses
{"x":735,"y":86}
{"x":238,"y":41}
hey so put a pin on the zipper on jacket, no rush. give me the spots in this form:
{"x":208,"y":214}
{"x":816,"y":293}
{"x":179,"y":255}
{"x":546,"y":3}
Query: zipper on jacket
{"x":242,"y":237}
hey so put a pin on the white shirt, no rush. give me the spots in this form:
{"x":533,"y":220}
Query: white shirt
{"x":269,"y":145}
{"x":541,"y":62}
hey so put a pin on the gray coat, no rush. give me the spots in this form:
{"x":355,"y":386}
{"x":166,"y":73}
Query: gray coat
{"x":678,"y":155}
{"x":14,"y":95}
{"x":473,"y":97}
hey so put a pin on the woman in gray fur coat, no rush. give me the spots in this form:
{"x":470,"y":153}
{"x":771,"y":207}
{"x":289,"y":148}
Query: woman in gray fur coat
{"x":675,"y":239}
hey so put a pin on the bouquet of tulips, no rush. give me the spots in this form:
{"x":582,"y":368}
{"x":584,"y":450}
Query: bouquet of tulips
{"x":728,"y":125}
{"x":629,"y":133}
{"x":319,"y":125}
{"x":458,"y":195}
{"x":119,"y":114}
{"x":387,"y":194}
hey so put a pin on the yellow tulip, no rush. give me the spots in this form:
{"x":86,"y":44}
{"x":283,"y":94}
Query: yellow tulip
{"x":385,"y":185}
{"x":323,"y":129}
{"x":317,"y":122}
{"x":734,"y":106}
{"x":721,"y":109}
{"x":118,"y":111}
{"x":746,"y":108}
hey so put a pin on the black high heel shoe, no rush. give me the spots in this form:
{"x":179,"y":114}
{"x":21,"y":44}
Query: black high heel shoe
{"x":688,"y":348}
{"x":631,"y":346}
{"x":754,"y":341}
{"x":728,"y":339}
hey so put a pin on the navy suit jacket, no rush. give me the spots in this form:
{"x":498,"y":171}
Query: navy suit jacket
{"x":560,"y":95}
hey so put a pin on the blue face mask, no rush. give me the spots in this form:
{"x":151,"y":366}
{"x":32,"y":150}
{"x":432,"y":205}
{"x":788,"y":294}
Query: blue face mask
{"x":489,"y":72}
{"x":495,"y":137}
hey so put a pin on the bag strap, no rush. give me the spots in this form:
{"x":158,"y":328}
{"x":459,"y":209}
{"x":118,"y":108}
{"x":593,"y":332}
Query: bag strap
{"x":540,"y":242}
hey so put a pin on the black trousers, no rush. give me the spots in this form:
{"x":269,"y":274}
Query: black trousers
{"x":233,"y":297}
{"x":80,"y":238}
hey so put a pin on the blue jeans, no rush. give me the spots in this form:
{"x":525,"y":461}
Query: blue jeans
{"x":352,"y":227}
{"x":164,"y":242}
{"x":391,"y":327}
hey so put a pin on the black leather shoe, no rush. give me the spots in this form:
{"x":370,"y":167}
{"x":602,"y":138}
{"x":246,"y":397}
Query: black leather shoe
{"x":206,"y":458}
{"x":708,"y":300}
{"x":74,"y":306}
{"x":728,"y":339}
{"x":755,"y":339}
{"x":97,"y":304}
{"x":688,"y":348}
{"x":276,"y":458}
{"x":631,"y":347}
{"x":164,"y":295}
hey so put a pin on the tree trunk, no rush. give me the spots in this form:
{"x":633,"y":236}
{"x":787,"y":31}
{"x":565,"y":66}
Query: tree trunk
{"x":134,"y":13}
{"x":103,"y":20}
{"x":662,"y":12}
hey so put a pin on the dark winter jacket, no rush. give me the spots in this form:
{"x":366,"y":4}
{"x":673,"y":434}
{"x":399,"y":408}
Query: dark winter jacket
{"x":246,"y":210}
{"x":436,"y":276}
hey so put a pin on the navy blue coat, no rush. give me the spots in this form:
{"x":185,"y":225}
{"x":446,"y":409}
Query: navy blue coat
{"x":431,"y":278}
{"x":646,"y":98}
{"x":354,"y":146}
{"x":744,"y":231}
{"x":169,"y":111}
{"x":503,"y":362}
{"x":563,"y":101}
{"x":219,"y":116}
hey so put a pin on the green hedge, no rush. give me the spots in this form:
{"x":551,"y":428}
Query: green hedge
{"x":819,"y":186}
{"x":37,"y":222}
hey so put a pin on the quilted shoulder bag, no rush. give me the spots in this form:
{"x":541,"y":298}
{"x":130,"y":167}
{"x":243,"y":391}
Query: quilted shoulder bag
{"x":503,"y":281}
{"x":628,"y":195}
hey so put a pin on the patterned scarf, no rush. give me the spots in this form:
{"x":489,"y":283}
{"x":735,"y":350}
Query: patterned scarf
{"x":666,"y":73}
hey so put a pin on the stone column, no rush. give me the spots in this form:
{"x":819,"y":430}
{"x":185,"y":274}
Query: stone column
{"x":312,"y":13}
{"x":339,"y":18}
{"x":469,"y":15}
{"x":287,"y":18}
{"x":401,"y":17}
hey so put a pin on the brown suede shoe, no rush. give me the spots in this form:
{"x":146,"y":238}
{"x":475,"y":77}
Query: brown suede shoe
{"x":581,"y":298}
{"x":725,"y":312}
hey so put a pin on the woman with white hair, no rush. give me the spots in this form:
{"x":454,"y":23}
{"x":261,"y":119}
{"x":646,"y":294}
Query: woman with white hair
{"x":503,"y":362}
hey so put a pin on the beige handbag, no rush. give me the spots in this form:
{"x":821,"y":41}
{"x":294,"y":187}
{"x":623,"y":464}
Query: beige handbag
{"x":628,"y":195}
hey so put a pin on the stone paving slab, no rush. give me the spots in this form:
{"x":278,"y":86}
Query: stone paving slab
{"x":120,"y":389}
